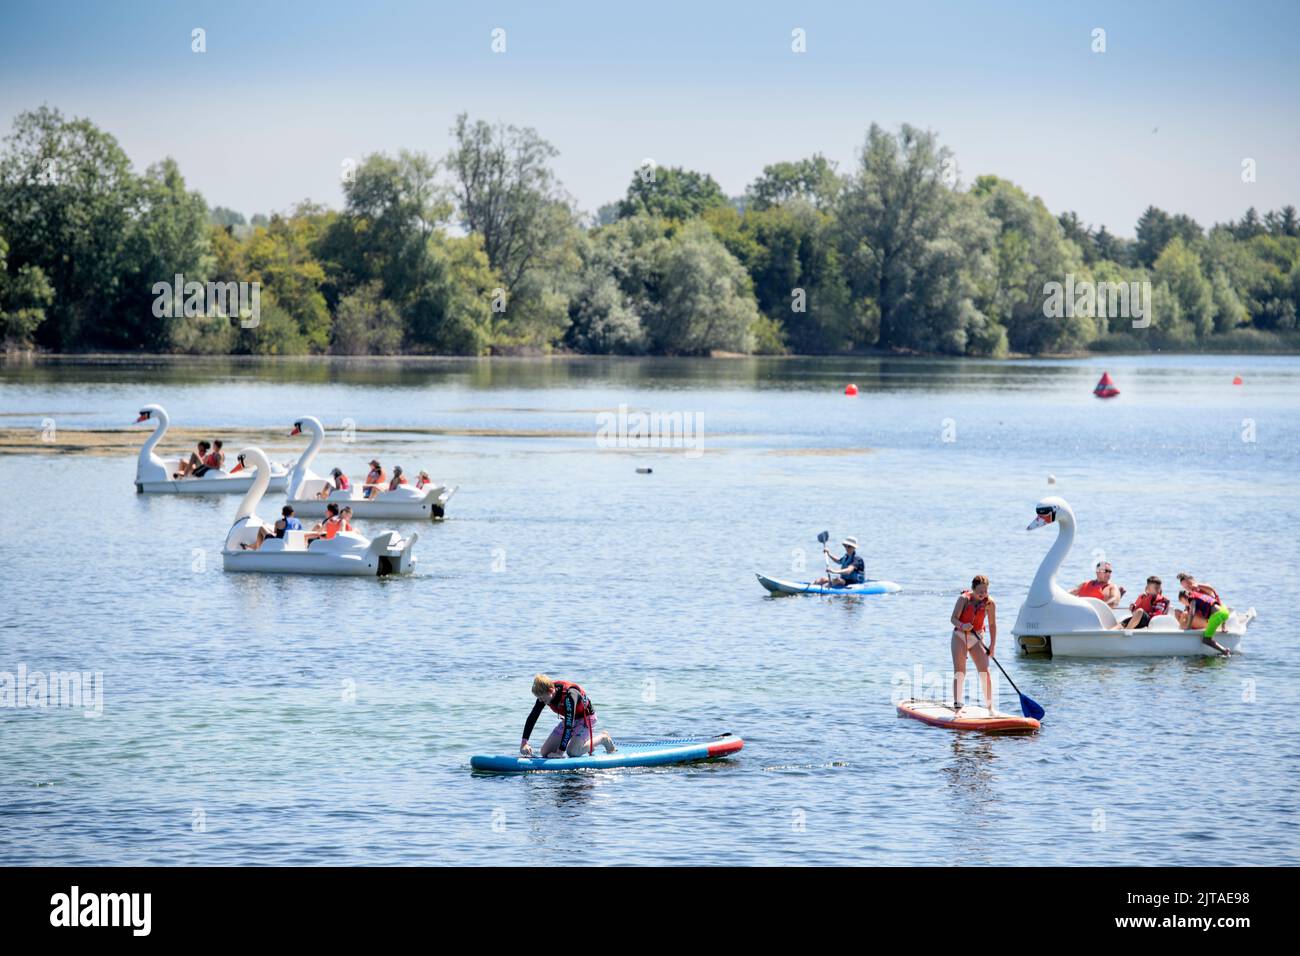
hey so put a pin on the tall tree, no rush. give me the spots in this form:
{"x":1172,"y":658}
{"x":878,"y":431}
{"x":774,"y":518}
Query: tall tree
{"x":913,"y":248}
{"x":812,"y":180}
{"x":67,"y":196}
{"x":671,"y":192}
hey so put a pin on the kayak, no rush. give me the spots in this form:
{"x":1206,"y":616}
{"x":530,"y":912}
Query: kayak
{"x":652,"y":753}
{"x":870,"y":586}
{"x":938,"y":714}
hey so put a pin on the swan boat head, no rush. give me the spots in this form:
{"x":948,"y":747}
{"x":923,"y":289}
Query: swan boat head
{"x":148,"y":466}
{"x":1049,"y":608}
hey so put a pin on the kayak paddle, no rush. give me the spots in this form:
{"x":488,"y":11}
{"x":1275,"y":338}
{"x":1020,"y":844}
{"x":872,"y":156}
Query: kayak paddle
{"x":822,"y":538}
{"x":1028,"y":706}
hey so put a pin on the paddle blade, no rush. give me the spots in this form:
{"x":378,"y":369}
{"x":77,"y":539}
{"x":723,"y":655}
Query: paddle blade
{"x":823,"y":537}
{"x":1031,"y":708}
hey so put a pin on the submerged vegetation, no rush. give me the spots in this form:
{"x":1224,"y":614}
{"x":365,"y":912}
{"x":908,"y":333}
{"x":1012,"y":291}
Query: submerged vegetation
{"x":482,"y":251}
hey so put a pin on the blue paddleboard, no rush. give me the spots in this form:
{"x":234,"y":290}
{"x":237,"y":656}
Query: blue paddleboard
{"x":649,"y":754}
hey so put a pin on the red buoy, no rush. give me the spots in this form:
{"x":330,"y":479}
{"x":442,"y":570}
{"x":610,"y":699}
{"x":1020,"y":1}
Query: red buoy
{"x":850,"y":389}
{"x":1106,"y":387}
{"x":1236,"y":380}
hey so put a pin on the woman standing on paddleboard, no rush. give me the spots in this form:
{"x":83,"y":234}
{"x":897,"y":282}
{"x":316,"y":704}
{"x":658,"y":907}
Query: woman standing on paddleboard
{"x":969,"y":615}
{"x":575,"y":734}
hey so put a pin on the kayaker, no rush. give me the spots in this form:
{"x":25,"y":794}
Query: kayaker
{"x":1150,"y":603}
{"x":852,"y":568}
{"x":1203,"y":609}
{"x":969,"y":614}
{"x":375,"y":479}
{"x":1100,"y":586}
{"x":575,"y":734}
{"x":287,"y":522}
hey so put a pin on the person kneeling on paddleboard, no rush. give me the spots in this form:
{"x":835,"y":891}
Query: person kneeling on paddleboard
{"x":969,"y":614}
{"x":574,"y":734}
{"x":852,"y":568}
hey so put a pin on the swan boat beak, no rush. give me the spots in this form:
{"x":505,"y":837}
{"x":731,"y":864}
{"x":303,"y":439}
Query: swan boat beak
{"x":1043,"y":518}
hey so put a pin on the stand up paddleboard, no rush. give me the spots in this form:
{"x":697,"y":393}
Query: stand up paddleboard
{"x":938,"y":714}
{"x":777,"y":586}
{"x":652,"y":753}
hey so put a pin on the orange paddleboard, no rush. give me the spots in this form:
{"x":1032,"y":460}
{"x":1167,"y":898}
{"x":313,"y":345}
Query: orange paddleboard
{"x":973,"y":717}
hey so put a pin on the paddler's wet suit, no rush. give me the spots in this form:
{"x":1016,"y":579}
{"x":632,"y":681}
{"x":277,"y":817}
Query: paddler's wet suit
{"x":571,"y":702}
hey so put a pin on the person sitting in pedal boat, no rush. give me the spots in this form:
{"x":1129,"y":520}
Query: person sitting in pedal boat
{"x":852,"y":568}
{"x":422,"y":480}
{"x":399,"y":478}
{"x":338,"y":481}
{"x":1100,"y":586}
{"x":286,"y":523}
{"x":969,"y":614}
{"x":196,"y":464}
{"x":375,"y":480}
{"x":575,"y":734}
{"x":1150,"y":603}
{"x":329,"y":527}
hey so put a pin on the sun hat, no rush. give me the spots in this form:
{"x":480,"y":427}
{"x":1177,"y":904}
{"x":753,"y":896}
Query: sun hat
{"x":850,"y":542}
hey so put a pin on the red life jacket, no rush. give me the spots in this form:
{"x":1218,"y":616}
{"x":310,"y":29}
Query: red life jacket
{"x":562,"y":688}
{"x":584,"y":710}
{"x":1154,"y":605}
{"x":973,"y":612}
{"x":1093,"y":589}
{"x":343,"y":484}
{"x":1204,"y":604}
{"x":211,"y":460}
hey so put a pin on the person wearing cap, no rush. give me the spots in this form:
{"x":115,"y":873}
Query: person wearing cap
{"x":399,"y":478}
{"x":376,"y":480}
{"x":339,"y":482}
{"x":852,"y":568}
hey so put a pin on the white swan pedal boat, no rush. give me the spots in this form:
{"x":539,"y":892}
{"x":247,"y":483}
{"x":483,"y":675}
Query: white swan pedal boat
{"x":347,"y":553}
{"x":405,"y":503}
{"x":1054,"y":621}
{"x":153,"y":475}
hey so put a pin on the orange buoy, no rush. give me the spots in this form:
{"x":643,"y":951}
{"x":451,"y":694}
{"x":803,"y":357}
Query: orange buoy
{"x":1106,"y":388}
{"x":1236,"y":380}
{"x":850,"y":389}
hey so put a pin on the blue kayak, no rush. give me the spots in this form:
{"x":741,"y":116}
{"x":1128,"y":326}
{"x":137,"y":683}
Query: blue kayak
{"x":649,"y":754}
{"x":870,"y":586}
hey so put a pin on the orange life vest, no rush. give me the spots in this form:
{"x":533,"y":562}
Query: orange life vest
{"x":1092,"y":589}
{"x":973,"y":612}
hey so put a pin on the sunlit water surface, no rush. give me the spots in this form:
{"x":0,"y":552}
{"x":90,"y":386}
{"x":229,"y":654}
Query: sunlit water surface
{"x":262,"y":720}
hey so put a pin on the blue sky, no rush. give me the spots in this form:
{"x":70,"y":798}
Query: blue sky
{"x":286,"y":92}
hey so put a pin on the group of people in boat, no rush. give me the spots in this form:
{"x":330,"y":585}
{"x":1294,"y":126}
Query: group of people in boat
{"x":377,"y":480}
{"x":336,"y":519}
{"x":1202,"y":608}
{"x":207,"y":456}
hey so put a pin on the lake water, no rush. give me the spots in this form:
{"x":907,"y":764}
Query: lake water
{"x":296,"y":720}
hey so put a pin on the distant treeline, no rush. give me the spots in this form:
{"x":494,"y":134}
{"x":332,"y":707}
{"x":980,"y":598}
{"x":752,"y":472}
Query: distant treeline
{"x":483,"y":251}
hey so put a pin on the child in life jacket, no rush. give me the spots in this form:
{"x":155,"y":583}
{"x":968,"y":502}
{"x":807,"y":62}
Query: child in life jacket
{"x":1203,"y":609}
{"x":575,"y":734}
{"x":1150,"y":603}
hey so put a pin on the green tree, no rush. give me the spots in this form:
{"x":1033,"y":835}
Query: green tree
{"x":671,"y":192}
{"x":168,"y":236}
{"x":812,"y":180}
{"x":24,"y":297}
{"x":67,"y":196}
{"x":703,"y":298}
{"x":914,"y":250}
{"x":1183,"y":298}
{"x":366,"y":323}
